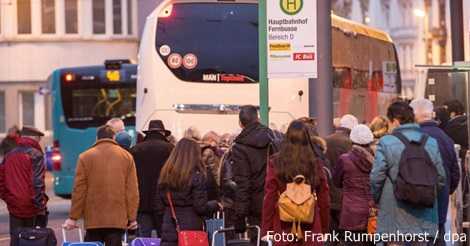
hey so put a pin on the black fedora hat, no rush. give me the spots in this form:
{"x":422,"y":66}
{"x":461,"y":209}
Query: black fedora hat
{"x":157,"y":126}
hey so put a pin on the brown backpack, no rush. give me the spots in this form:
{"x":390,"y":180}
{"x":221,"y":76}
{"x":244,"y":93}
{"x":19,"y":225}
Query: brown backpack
{"x":297,"y":204}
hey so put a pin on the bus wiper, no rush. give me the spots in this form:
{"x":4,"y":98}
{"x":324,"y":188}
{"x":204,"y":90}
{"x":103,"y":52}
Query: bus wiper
{"x":254,"y":23}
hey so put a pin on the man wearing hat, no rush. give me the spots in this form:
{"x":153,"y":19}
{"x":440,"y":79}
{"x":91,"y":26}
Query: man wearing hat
{"x":150,"y":156}
{"x":22,"y":177}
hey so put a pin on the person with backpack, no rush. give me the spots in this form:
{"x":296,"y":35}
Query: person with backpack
{"x":352,"y":175}
{"x":423,"y":110}
{"x":182,"y":192}
{"x":406,"y":177}
{"x":296,"y":196}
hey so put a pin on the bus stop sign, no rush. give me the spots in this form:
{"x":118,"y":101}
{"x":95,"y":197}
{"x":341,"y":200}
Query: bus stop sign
{"x":292,"y":38}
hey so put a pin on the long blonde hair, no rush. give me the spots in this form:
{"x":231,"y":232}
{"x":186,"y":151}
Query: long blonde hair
{"x":182,"y":162}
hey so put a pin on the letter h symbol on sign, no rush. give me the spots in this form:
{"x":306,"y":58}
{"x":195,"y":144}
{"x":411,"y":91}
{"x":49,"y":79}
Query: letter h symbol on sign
{"x":291,"y":4}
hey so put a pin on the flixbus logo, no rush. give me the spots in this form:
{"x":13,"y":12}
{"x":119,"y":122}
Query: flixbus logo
{"x":292,"y":7}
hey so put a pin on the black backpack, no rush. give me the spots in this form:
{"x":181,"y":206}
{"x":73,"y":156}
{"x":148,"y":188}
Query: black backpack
{"x":417,"y":177}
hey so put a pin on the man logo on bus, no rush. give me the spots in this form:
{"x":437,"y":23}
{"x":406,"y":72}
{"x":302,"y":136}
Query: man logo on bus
{"x":291,"y":7}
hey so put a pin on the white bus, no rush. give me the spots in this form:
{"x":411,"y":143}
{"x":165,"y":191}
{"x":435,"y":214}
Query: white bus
{"x":198,"y":62}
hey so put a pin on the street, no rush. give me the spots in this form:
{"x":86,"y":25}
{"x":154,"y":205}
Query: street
{"x":58,"y":209}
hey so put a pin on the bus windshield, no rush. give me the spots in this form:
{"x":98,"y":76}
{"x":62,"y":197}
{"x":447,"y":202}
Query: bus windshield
{"x":210,"y":42}
{"x":86,"y":106}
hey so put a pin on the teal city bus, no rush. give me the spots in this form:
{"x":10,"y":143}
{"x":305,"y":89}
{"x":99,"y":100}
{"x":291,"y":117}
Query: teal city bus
{"x":84,"y":98}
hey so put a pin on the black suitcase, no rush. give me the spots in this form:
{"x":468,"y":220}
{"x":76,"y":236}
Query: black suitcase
{"x":34,"y":237}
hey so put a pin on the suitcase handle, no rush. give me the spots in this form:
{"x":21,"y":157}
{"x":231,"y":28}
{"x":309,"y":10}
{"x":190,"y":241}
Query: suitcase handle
{"x":80,"y":234}
{"x":229,"y":229}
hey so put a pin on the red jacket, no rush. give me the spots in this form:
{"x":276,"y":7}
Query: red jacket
{"x":271,"y":222}
{"x":22,"y":175}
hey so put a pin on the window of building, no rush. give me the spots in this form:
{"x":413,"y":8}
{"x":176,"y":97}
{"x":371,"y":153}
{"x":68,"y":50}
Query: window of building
{"x":117,"y":16}
{"x":24,"y":16}
{"x":48,"y":16}
{"x":99,"y":17}
{"x":71,"y":16}
{"x":2,"y":111}
{"x":27,"y":108}
{"x":129,"y":17}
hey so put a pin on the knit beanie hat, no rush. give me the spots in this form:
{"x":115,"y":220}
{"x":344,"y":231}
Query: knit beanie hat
{"x":361,"y":134}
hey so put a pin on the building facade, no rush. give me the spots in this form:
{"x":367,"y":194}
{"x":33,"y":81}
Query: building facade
{"x":39,"y":36}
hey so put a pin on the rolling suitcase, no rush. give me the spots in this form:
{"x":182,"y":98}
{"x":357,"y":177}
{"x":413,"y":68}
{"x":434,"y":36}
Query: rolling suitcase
{"x":237,"y":242}
{"x":215,"y":224}
{"x":80,"y":243}
{"x":146,"y":242}
{"x":36,"y":236}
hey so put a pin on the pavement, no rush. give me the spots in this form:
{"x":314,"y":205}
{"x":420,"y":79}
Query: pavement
{"x":58,"y":209}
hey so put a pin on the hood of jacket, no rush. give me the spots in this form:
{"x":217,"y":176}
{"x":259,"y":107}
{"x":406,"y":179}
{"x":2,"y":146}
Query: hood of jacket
{"x":29,"y":142}
{"x":255,"y":135}
{"x":362,"y":158}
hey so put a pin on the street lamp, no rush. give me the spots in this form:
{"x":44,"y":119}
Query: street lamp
{"x":419,"y":13}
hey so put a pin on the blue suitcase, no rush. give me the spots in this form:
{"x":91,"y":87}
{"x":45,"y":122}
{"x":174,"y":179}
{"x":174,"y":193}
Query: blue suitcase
{"x":213,"y":225}
{"x":146,"y":242}
{"x":80,"y":243}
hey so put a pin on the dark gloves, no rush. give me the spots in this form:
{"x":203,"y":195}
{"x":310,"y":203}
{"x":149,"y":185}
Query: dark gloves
{"x":240,"y":225}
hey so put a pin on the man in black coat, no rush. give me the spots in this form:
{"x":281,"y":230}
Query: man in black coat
{"x":249,"y":156}
{"x":150,"y":156}
{"x":456,"y":127}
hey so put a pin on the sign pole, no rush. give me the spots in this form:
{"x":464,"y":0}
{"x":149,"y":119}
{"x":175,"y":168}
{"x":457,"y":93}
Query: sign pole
{"x":321,"y":88}
{"x":263,"y":67}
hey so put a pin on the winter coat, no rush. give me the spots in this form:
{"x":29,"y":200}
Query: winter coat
{"x":393,"y":215}
{"x":337,"y":144}
{"x":22,"y":184}
{"x":271,"y":221}
{"x":105,"y":192}
{"x":249,"y":156}
{"x":352,"y":175}
{"x":191,"y":206}
{"x":150,"y":156}
{"x":457,"y":129}
{"x":449,"y":160}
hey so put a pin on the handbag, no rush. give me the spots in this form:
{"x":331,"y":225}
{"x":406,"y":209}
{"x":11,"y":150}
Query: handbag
{"x":187,"y":238}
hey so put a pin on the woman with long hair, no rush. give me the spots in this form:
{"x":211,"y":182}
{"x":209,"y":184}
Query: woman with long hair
{"x":296,"y":157}
{"x":183,"y":177}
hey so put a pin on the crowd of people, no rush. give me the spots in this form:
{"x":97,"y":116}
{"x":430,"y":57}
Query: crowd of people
{"x":393,"y":175}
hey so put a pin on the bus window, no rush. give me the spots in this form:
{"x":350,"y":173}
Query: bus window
{"x":92,"y":107}
{"x":221,"y":38}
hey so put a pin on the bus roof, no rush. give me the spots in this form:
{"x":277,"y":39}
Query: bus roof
{"x":346,"y":25}
{"x":341,"y":23}
{"x":93,"y":69}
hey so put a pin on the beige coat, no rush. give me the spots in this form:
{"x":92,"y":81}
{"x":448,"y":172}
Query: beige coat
{"x":105,"y":192}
